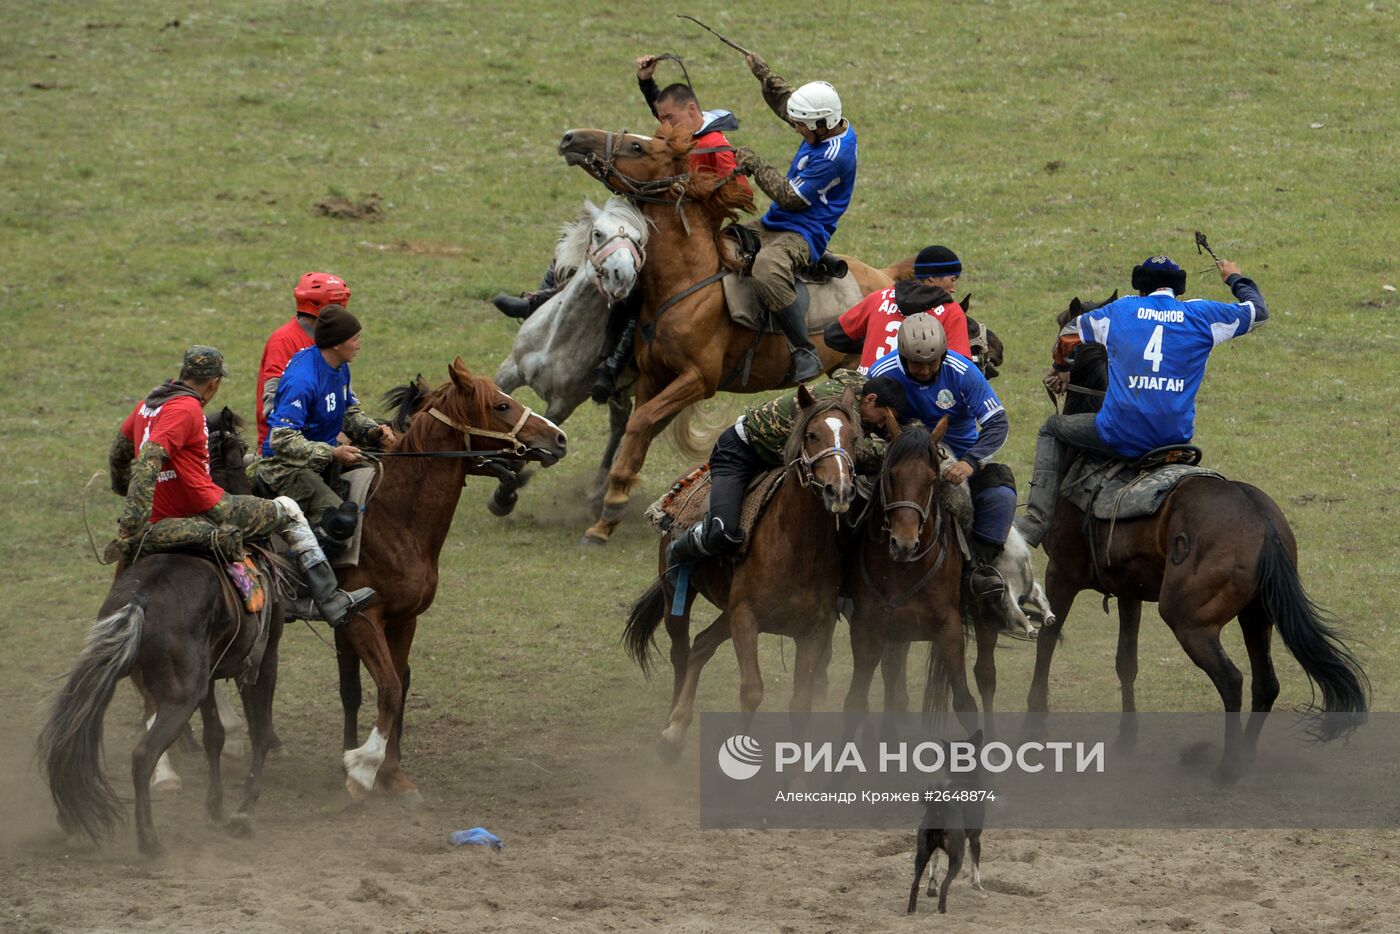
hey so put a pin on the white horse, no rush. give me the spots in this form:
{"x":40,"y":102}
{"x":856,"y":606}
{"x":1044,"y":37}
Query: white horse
{"x":558,"y":348}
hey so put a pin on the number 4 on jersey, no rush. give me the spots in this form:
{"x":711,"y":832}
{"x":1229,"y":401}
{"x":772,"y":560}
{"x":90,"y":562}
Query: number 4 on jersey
{"x":1153,"y":351}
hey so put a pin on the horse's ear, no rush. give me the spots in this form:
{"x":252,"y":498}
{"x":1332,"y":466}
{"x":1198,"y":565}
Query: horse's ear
{"x":805,"y":399}
{"x":966,"y":303}
{"x":848,"y":399}
{"x":892,"y":426}
{"x":936,"y":435}
{"x":593,"y":210}
{"x":1076,"y":307}
{"x":461,"y":376}
{"x":422,"y":384}
{"x":1113,"y":297}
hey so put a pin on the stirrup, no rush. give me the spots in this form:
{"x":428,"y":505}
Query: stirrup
{"x":344,"y":604}
{"x":986,"y":583}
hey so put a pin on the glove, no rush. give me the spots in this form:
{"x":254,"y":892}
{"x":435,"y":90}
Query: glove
{"x":748,"y":160}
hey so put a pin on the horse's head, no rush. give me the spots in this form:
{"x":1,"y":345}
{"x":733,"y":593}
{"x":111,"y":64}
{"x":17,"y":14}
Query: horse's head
{"x":1077,"y":308}
{"x":819,"y":447}
{"x":623,"y":161}
{"x":469,"y":413}
{"x":616,"y":250}
{"x":909,"y":482}
{"x":226,"y":452}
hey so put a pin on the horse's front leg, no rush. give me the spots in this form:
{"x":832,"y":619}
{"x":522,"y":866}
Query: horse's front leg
{"x":642,"y":427}
{"x":348,"y":664}
{"x":392,"y":780}
{"x":366,"y":633}
{"x":619,"y":412}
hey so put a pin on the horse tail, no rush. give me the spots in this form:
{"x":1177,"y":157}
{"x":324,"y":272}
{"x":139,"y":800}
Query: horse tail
{"x":693,"y":432}
{"x":1306,"y":631}
{"x":904,"y":269}
{"x":938,"y":682}
{"x":646,"y":614}
{"x":70,"y":745}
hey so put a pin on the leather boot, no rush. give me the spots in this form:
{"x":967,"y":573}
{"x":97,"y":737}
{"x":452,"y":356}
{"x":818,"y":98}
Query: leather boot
{"x":606,"y":382}
{"x":526,"y":305}
{"x":335,"y":604}
{"x":985,"y":581}
{"x":805,"y":362}
{"x":1045,"y":491}
{"x":705,"y":539}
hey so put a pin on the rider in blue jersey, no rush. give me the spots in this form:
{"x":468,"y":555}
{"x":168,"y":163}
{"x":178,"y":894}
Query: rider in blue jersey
{"x":939,"y":382}
{"x":1157,"y":347}
{"x":808,"y":201}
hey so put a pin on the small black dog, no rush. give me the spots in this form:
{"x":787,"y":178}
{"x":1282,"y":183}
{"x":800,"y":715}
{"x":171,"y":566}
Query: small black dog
{"x":949,"y":826}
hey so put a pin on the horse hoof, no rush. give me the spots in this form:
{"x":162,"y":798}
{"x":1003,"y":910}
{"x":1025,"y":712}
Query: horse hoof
{"x":239,"y":825}
{"x":501,"y":509}
{"x":278,"y":752}
{"x":590,"y":540}
{"x":410,"y":799}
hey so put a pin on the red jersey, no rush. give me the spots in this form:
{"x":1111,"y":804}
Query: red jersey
{"x":284,"y":342}
{"x":875,"y":322}
{"x":721,"y":163}
{"x":183,"y":486}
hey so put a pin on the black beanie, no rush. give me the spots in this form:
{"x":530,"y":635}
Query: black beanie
{"x":934,"y":261}
{"x":335,"y":326}
{"x":1158,"y":272}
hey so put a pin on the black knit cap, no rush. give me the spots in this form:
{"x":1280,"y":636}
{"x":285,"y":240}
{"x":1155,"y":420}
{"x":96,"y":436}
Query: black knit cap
{"x":935,"y":261}
{"x":1159,"y":272}
{"x":335,"y":326}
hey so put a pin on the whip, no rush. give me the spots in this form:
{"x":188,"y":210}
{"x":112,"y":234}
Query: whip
{"x":722,"y":38}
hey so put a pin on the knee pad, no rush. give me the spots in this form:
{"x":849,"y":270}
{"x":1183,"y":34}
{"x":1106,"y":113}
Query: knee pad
{"x":290,"y":510}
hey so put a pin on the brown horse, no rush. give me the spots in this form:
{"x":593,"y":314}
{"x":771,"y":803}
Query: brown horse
{"x":405,"y":525}
{"x":778,"y":587}
{"x":695,"y":349}
{"x":1217,"y":549}
{"x":908,"y":579}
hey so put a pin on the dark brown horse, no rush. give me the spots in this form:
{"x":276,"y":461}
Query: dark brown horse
{"x":906,"y":585}
{"x":695,"y":348}
{"x":779,"y":586}
{"x":1217,"y":549}
{"x":174,"y":624}
{"x":405,"y":525}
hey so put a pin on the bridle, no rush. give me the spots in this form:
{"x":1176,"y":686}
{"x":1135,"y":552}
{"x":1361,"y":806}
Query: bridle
{"x":621,"y":240}
{"x":517,"y":447}
{"x":888,"y":506}
{"x":805,"y":464}
{"x":647,"y":190}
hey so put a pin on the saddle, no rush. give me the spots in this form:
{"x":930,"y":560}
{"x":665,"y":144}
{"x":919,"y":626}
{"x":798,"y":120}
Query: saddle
{"x":824,"y":289}
{"x":1111,"y":489}
{"x":689,"y":499}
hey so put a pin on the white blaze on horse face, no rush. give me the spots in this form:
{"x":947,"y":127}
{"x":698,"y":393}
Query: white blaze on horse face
{"x":362,"y":765}
{"x":834,"y":424}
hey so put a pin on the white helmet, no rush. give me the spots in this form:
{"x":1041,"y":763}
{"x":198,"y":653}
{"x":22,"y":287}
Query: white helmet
{"x":815,"y":105}
{"x":922,"y":338}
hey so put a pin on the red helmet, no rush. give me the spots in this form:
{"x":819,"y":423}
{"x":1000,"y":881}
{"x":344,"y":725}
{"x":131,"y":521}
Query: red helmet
{"x":318,"y":289}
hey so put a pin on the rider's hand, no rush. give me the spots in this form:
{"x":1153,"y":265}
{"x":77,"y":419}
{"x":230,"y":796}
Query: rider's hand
{"x":388,"y":438}
{"x":757,"y":65}
{"x":646,"y":66}
{"x":346,"y":454}
{"x":1227,"y":269}
{"x":1057,"y":381}
{"x":957,"y":471}
{"x":748,"y":160}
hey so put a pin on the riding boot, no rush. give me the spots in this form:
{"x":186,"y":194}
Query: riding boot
{"x":335,"y":605}
{"x":805,"y":362}
{"x":985,"y":581}
{"x":1045,"y":490}
{"x":611,"y":367}
{"x":705,"y":539}
{"x":526,"y":305}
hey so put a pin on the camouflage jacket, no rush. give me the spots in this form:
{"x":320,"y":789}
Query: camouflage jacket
{"x":294,"y":449}
{"x":766,"y":427}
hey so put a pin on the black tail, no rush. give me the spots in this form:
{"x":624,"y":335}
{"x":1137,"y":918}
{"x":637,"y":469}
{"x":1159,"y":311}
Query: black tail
{"x":71,"y":742}
{"x":1305,"y":630}
{"x":646,"y":614}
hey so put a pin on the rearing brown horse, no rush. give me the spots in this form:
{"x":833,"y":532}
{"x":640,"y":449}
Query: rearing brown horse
{"x":1216,"y":549}
{"x":405,"y":525}
{"x":695,"y":346}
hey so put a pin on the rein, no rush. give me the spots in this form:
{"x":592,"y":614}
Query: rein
{"x":887,"y":506}
{"x":891,"y":604}
{"x":618,"y":241}
{"x":517,"y":449}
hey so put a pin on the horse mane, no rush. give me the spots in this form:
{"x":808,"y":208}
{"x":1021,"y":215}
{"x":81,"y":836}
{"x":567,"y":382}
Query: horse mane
{"x":415,"y":398}
{"x":721,"y":197}
{"x":226,"y":419}
{"x":792,"y":449}
{"x":571,"y":251}
{"x":912,"y":442}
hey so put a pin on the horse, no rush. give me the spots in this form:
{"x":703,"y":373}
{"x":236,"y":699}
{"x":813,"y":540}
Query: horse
{"x":688,"y":348}
{"x":1216,"y":550}
{"x":174,"y":624}
{"x":405,"y":525}
{"x":557,"y":349}
{"x":776,"y":587}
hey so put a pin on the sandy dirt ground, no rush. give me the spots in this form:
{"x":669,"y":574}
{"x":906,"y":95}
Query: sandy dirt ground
{"x":604,"y":840}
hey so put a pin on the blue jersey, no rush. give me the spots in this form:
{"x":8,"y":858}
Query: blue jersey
{"x":960,"y":391}
{"x":823,"y":175}
{"x":1157,"y":350}
{"x":312,"y":398}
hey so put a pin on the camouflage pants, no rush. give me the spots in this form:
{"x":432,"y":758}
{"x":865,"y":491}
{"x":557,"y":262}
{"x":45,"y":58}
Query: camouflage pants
{"x":780,"y":252}
{"x":252,"y":516}
{"x":309,"y":488}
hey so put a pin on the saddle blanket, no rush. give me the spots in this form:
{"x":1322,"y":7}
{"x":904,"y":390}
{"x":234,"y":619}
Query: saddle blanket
{"x":689,"y":499}
{"x":360,"y":480}
{"x":1114,"y":491}
{"x":825,"y":302}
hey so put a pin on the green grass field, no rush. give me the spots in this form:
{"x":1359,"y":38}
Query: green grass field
{"x":158,"y":183}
